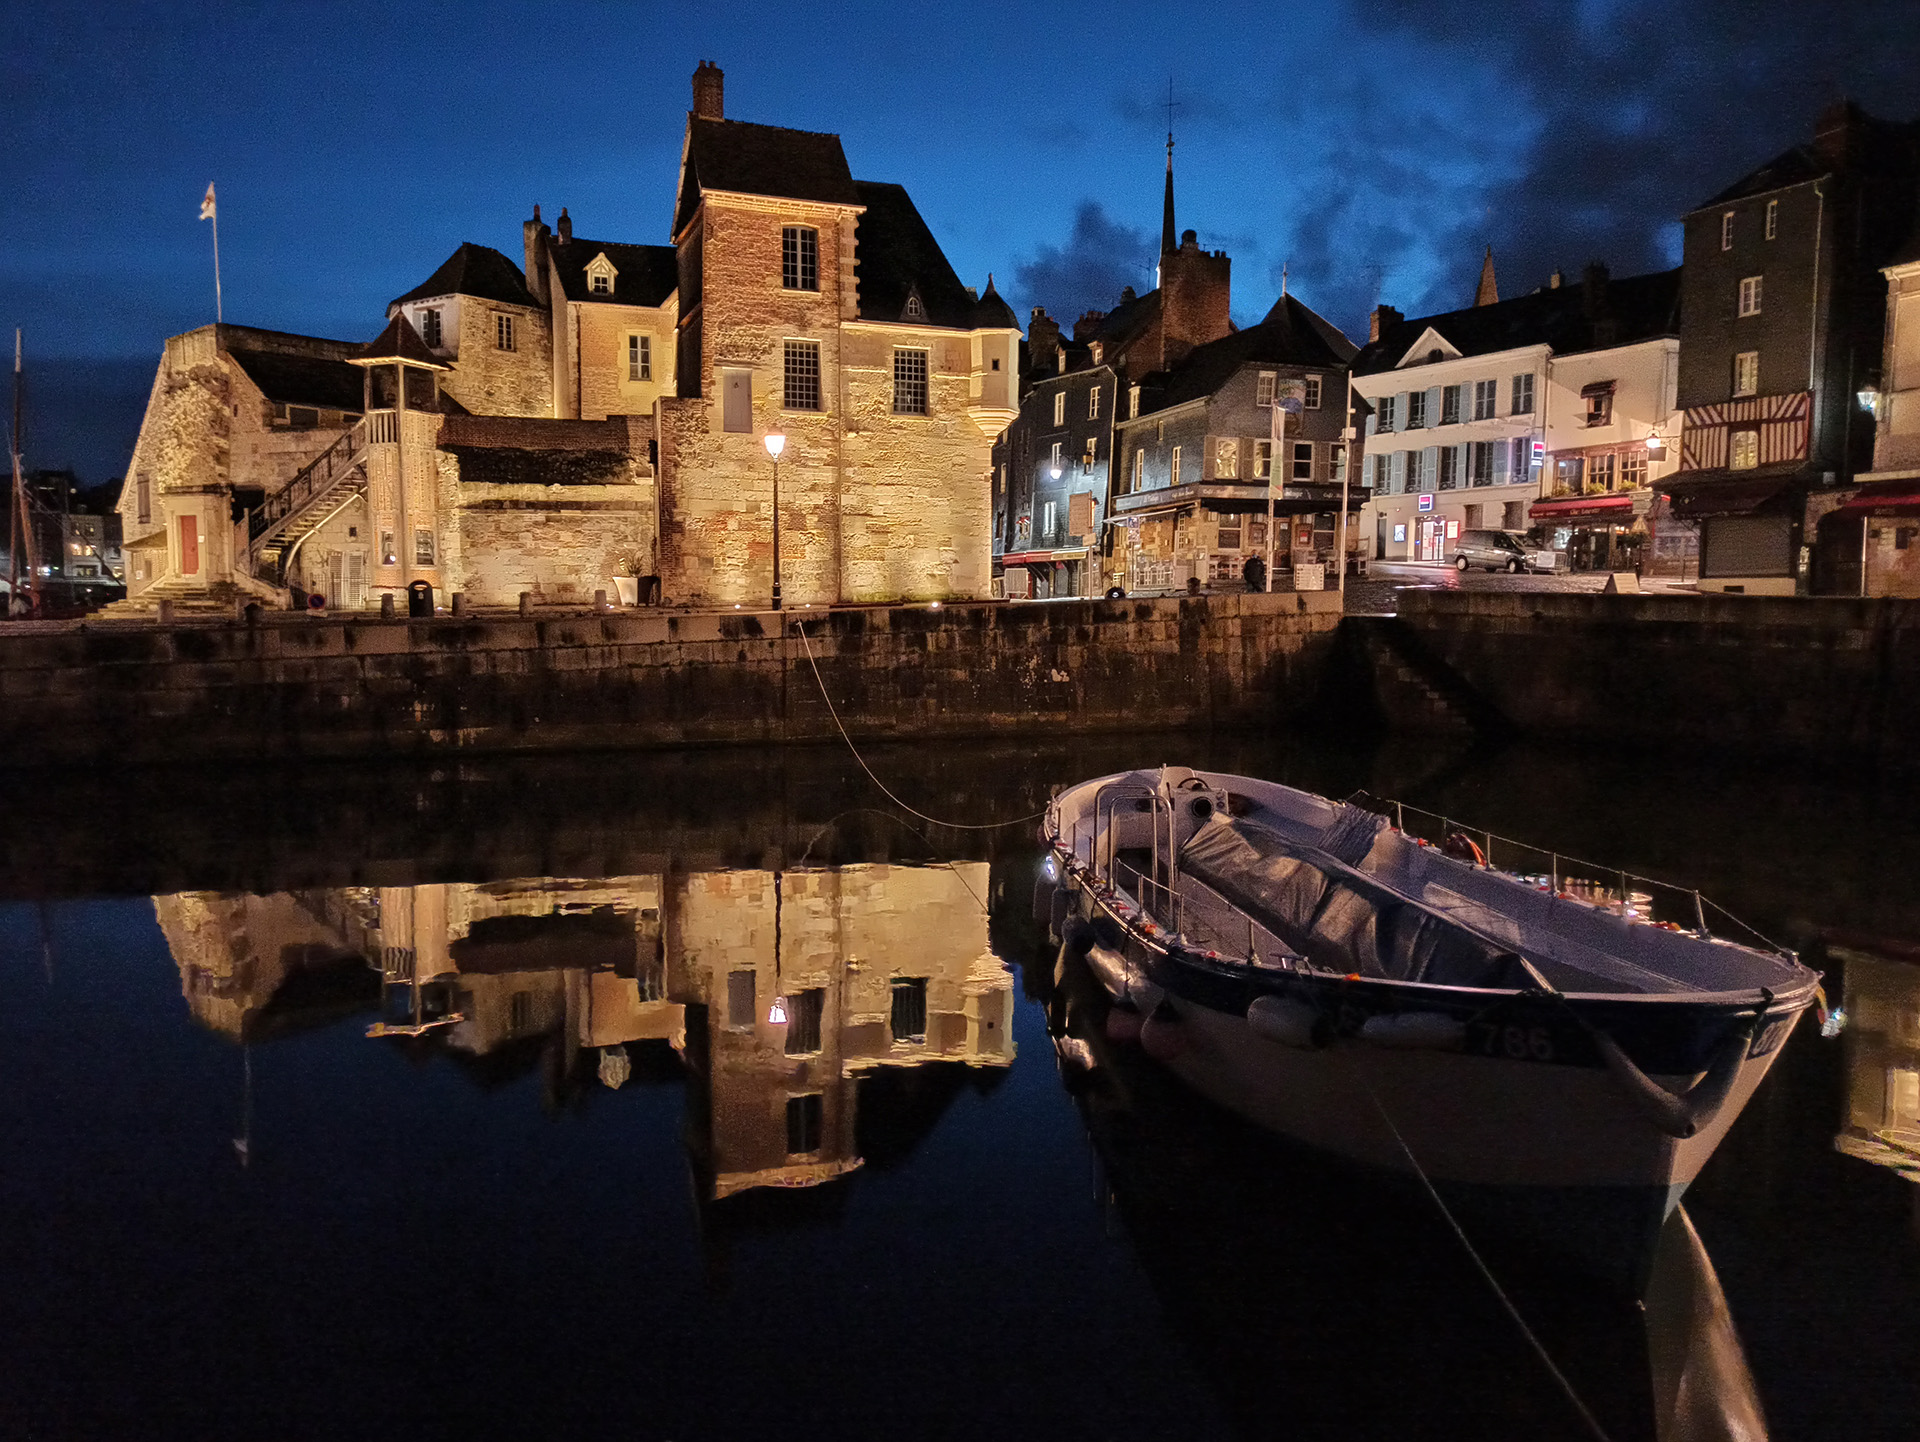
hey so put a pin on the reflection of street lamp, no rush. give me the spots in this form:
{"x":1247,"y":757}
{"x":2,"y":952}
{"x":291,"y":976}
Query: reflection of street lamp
{"x":776,"y":443}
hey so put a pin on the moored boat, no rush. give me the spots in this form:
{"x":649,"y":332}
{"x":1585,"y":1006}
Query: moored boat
{"x":1551,"y":1053}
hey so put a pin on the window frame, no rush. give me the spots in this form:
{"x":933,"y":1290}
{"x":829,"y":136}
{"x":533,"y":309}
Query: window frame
{"x":1487,"y":391}
{"x":799,"y":349}
{"x":1734,"y":435}
{"x":639,"y":358}
{"x":1726,"y":230}
{"x":800,"y":259}
{"x":430,"y":327}
{"x":503,"y":332}
{"x":1313,"y":388}
{"x":1295,"y":460}
{"x":902,"y":399}
{"x":1060,"y":407}
{"x":1522,"y":384}
{"x":1263,"y":388}
{"x":1226,"y":458}
{"x":1093,"y":404}
{"x":1173,"y":468}
{"x":1773,"y":218}
{"x":1746,"y":365}
{"x":1262,"y":460}
{"x":1752,"y":296}
{"x":1417,"y":411}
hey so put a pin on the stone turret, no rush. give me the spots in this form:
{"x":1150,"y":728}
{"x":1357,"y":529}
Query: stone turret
{"x":1196,"y":292}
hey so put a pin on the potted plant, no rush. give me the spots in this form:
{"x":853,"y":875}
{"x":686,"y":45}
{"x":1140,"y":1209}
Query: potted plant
{"x":628,"y":583}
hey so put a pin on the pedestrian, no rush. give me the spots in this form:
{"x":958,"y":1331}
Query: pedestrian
{"x":1254,"y":573}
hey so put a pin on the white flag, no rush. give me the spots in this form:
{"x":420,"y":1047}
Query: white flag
{"x":206,"y":206}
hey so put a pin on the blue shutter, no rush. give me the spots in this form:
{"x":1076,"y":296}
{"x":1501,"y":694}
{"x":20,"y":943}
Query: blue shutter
{"x":1429,"y":468}
{"x":1397,"y":472}
{"x":1433,"y":405}
{"x":1461,"y":477}
{"x":1400,"y":411}
{"x":1370,"y":420}
{"x":1500,"y":456}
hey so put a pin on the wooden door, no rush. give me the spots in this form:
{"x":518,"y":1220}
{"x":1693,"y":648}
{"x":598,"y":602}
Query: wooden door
{"x":189,"y":545}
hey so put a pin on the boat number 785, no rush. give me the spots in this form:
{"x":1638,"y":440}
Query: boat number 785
{"x":1521,"y":1043}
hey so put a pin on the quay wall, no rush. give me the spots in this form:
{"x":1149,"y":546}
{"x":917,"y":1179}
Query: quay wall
{"x":1836,"y":677}
{"x":297,"y":687}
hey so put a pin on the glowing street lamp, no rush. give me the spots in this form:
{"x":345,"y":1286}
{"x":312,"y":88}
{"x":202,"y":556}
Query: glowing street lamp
{"x":776,"y":443}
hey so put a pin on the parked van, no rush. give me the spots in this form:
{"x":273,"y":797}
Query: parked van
{"x":1497,"y":551}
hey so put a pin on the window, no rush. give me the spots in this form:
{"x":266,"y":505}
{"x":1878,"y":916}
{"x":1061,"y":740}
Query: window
{"x":1416,"y":473}
{"x":388,"y":556}
{"x":1048,"y":511}
{"x":1449,"y":468}
{"x":1376,"y":473}
{"x":422,"y":547}
{"x":1480,"y":462}
{"x":740,"y":1013}
{"x":1746,"y":373}
{"x":1263,"y":460}
{"x":602,"y":283}
{"x":639,"y":358}
{"x":1054,"y":461}
{"x":1227,"y":536}
{"x":1600,"y":472}
{"x":801,"y":391}
{"x":1263,"y":389}
{"x":1226,"y":460}
{"x":803,"y":1021}
{"x":1483,"y":400}
{"x":799,"y":258}
{"x":803,"y":1124}
{"x":1173,"y":470}
{"x":1139,"y":460}
{"x":915,"y":308}
{"x":1569,"y":472}
{"x":1522,"y":459}
{"x":1059,"y":408}
{"x":1743,"y":450}
{"x":1450,"y":405}
{"x":1750,"y":295}
{"x":1599,"y":405}
{"x":1633,"y":469}
{"x":1523,"y":394}
{"x":1726,"y":231}
{"x":1303,"y":460}
{"x":1313,"y":393}
{"x":1416,"y":410}
{"x":1337,"y":464}
{"x":430,"y":327}
{"x":502,"y":331}
{"x":909,"y":383}
{"x":1133,"y":402}
{"x":909,"y":1020}
{"x":1773,"y":218}
{"x":1093,"y":404}
{"x":143,"y":499}
{"x":1383,"y":417}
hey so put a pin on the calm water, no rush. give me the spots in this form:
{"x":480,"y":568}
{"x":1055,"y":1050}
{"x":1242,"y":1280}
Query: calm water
{"x":717,"y":1101}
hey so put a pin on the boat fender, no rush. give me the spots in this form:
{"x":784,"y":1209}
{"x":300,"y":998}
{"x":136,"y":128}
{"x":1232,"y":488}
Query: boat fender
{"x":1062,"y":907}
{"x":1042,"y":900}
{"x":1680,"y":1116}
{"x":1291,"y":1023}
{"x":1415,"y":1031}
{"x":1124,"y":1022}
{"x":1077,"y":937}
{"x":1162,"y":1035}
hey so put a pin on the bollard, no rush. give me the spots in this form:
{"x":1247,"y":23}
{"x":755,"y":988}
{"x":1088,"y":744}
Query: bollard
{"x":526,"y":603}
{"x":459,"y":603}
{"x":600,"y":600}
{"x":386,"y":605}
{"x":250,"y":612}
{"x":166,"y":613}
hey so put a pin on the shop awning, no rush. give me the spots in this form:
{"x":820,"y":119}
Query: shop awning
{"x":1893,"y":498}
{"x":1026,"y":558}
{"x":1735,"y":493}
{"x":1618,"y":505}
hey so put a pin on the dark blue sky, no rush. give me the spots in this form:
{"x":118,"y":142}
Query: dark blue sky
{"x":1375,"y":147}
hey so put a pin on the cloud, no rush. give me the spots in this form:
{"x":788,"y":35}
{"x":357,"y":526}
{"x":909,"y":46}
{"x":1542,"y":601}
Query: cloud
{"x":1087,"y":272}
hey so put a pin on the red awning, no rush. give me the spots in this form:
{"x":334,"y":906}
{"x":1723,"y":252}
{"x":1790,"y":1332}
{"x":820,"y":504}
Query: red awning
{"x":1584,"y":508}
{"x":1900,"y":498}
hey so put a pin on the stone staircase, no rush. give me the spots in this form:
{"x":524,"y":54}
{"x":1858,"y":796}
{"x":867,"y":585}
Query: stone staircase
{"x":1417,"y":690}
{"x":277,"y":524}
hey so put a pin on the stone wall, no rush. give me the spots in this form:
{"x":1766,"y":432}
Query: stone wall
{"x":493,"y":382}
{"x":304,"y":687}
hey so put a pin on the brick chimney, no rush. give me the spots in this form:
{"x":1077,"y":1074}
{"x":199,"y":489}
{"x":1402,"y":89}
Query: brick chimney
{"x":565,"y":227}
{"x":709,"y":91}
{"x":1196,"y":290}
{"x":1088,"y":324}
{"x":1593,"y":293}
{"x":1383,"y":317}
{"x":534,"y":233}
{"x":1043,"y":336}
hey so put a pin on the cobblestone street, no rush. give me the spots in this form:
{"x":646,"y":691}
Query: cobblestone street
{"x":1379,"y":593}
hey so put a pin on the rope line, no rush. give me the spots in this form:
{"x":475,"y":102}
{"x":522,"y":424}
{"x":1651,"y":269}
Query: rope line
{"x":1506,"y":1302}
{"x":800,"y":626}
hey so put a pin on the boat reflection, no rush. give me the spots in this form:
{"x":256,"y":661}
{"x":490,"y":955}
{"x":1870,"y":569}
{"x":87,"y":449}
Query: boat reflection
{"x":775,"y":994}
{"x":1324,"y":1301}
{"x":1883,"y":1057}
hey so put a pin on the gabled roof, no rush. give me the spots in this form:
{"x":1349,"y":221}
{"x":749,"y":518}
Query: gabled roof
{"x":479,"y":271}
{"x":399,"y":341}
{"x":1791,"y":167}
{"x":1638,"y":308}
{"x":1291,"y":334}
{"x":302,"y":380}
{"x":643,"y":274}
{"x":898,"y":256}
{"x":750,"y":159}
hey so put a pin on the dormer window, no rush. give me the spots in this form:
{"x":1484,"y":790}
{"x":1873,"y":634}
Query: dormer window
{"x":913,"y":310}
{"x":602,"y":283}
{"x":600,"y":275}
{"x":430,"y":327}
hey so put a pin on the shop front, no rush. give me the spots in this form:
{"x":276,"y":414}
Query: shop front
{"x":1880,"y":525}
{"x":1047,"y":575}
{"x":1605,"y":532}
{"x":1211,"y":539}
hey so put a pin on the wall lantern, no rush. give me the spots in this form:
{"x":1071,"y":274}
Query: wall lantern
{"x":1869,"y":398}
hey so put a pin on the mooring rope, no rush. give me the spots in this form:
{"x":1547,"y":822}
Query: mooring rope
{"x":1533,"y":1340}
{"x":800,"y":626}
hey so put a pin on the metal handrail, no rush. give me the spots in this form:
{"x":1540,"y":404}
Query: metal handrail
{"x":313,"y":482}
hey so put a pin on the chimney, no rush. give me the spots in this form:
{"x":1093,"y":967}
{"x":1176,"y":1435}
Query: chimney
{"x":1593,"y":299}
{"x":534,"y":235}
{"x":1553,"y":281}
{"x":1383,"y":317}
{"x":565,"y":227}
{"x":1088,"y":324}
{"x":709,"y":88}
{"x":1838,"y":132}
{"x":1043,"y":336}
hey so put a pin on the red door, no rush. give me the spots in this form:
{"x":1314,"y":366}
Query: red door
{"x":189,"y":545}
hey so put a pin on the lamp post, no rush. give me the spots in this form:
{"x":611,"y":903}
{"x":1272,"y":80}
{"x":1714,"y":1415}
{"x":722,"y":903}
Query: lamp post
{"x":776,"y":443}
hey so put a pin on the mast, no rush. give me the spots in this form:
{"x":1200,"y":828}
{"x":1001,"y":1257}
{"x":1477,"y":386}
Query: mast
{"x":21,"y":514}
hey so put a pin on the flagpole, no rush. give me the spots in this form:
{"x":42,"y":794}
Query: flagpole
{"x":218,"y":316}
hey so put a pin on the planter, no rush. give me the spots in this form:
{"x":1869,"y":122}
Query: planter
{"x":628,"y":588}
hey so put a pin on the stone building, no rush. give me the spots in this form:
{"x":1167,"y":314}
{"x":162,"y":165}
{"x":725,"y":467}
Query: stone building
{"x":1783,"y":317}
{"x":1054,"y":481}
{"x":602,"y":409}
{"x":1199,"y":472}
{"x":1551,"y":411}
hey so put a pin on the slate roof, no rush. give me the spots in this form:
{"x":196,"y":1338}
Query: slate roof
{"x":1640,"y":307}
{"x":302,"y":380}
{"x":399,"y":341}
{"x":898,"y":255}
{"x":991,"y":312}
{"x":643,"y":274}
{"x":750,"y":159}
{"x":1291,"y":334}
{"x":476,"y":270}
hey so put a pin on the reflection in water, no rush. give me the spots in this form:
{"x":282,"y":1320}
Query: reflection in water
{"x":780,"y":991}
{"x":1883,"y":1061}
{"x":1326,"y":1301}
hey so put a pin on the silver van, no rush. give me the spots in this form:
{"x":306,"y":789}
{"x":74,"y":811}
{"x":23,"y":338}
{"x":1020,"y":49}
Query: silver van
{"x":1496,"y":550}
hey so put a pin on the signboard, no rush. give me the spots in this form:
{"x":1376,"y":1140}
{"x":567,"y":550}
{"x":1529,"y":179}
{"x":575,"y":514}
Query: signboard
{"x":1642,"y":502}
{"x":1399,"y":534}
{"x":1426,"y":502}
{"x":1453,"y":530}
{"x":1539,"y":453}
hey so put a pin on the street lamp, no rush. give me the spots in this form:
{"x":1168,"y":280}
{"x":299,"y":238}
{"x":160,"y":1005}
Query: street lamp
{"x":776,"y":443}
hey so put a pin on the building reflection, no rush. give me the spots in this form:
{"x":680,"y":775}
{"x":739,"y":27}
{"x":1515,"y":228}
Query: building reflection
{"x":780,"y":996}
{"x":1883,"y":1060}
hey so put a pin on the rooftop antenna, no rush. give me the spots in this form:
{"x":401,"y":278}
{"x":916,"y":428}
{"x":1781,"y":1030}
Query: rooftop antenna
{"x":1168,"y":235}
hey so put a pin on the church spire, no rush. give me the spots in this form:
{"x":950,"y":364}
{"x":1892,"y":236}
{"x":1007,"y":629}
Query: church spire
{"x":1488,"y":291}
{"x":1169,"y":237}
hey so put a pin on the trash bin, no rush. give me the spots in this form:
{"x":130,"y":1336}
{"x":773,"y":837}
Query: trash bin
{"x":419,"y":599}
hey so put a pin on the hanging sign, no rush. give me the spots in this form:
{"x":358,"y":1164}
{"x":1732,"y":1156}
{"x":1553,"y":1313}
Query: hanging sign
{"x":1426,"y":502}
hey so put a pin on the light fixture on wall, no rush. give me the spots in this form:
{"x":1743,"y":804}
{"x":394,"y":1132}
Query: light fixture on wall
{"x":1656,"y":443}
{"x":776,"y":443}
{"x":1869,"y":398}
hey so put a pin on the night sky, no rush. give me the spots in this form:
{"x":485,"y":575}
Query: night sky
{"x":1374,"y":148}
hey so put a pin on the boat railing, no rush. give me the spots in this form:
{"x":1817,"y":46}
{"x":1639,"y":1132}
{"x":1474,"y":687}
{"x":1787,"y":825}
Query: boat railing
{"x":1628,"y":892}
{"x":1200,"y":917}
